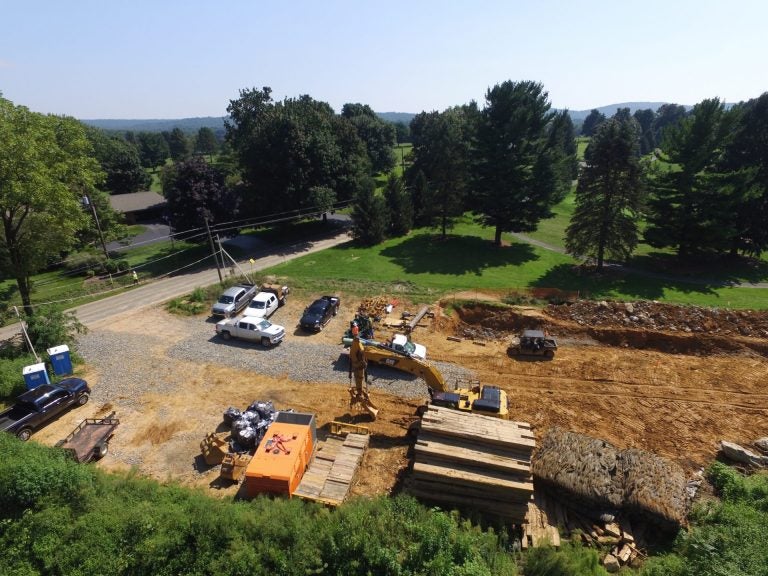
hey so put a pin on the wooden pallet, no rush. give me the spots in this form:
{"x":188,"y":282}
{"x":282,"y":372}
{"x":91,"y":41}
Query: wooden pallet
{"x":332,"y":470}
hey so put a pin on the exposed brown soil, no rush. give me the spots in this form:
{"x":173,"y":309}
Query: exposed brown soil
{"x":671,"y":392}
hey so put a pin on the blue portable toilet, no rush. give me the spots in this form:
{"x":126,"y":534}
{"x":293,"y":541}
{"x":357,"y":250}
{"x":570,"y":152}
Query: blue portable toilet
{"x":35,"y":375}
{"x":60,"y":360}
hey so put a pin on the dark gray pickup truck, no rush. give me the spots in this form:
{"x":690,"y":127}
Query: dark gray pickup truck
{"x":37,"y":406}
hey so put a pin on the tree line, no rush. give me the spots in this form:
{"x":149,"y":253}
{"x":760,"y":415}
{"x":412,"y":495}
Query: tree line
{"x":702,"y":191}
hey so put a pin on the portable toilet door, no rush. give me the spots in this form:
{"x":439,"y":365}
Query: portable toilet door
{"x":35,"y":375}
{"x":60,"y":360}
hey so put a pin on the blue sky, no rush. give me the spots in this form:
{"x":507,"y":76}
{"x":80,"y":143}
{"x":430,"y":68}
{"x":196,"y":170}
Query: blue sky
{"x":175,"y":59}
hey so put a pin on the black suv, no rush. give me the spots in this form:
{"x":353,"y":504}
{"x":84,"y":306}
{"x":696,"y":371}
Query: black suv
{"x":319,"y":313}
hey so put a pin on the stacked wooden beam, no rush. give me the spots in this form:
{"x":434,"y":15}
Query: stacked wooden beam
{"x":475,"y":462}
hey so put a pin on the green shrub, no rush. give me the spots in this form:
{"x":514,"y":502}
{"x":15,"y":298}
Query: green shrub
{"x":11,"y":379}
{"x":51,"y":326}
{"x":31,"y":475}
{"x":86,"y":263}
{"x":572,"y":559}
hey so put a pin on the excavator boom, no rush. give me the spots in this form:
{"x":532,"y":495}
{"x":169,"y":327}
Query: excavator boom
{"x":489,"y":400}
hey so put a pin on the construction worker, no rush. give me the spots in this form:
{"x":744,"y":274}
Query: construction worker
{"x":135,"y":278}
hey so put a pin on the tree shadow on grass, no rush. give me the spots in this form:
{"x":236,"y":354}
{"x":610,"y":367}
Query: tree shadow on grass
{"x":616,"y":280}
{"x":708,"y":269}
{"x":455,"y":255}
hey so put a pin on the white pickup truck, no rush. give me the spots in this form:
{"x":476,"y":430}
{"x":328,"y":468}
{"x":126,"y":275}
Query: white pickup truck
{"x":251,"y":328}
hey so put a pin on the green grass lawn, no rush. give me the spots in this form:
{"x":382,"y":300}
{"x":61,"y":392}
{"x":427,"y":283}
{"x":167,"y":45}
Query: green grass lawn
{"x":423,"y":267}
{"x":581,"y":145}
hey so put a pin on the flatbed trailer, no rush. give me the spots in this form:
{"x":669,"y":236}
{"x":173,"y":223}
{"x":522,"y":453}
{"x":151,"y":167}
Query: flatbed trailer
{"x":90,"y":440}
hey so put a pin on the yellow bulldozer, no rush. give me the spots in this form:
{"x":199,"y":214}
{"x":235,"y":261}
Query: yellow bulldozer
{"x":469,"y":397}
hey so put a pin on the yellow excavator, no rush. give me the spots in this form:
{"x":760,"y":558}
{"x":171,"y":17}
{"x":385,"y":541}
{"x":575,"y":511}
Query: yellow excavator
{"x":474,"y":397}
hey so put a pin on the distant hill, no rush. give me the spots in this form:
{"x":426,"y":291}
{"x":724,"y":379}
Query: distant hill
{"x":189,"y":125}
{"x":610,"y":109}
{"x":395,"y":117}
{"x":192,"y":125}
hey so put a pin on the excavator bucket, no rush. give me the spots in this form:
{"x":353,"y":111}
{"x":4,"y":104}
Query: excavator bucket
{"x":214,"y":447}
{"x":360,"y":400}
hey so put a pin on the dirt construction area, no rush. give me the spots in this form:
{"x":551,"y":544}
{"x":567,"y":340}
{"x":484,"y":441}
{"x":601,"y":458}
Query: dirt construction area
{"x":671,"y":380}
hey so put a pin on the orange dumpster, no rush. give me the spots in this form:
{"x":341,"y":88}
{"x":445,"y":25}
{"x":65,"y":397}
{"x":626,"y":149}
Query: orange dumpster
{"x":280,"y":460}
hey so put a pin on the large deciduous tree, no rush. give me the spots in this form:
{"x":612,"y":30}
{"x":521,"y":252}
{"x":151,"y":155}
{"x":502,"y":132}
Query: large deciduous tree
{"x":289,"y":150}
{"x":691,"y":203}
{"x":46,"y":166}
{"x":608,"y":196}
{"x":153,"y":149}
{"x":178,"y":144}
{"x":517,"y":175}
{"x":441,"y":153}
{"x":196,"y":193}
{"x":205,"y":141}
{"x":378,"y":135}
{"x":120,"y":161}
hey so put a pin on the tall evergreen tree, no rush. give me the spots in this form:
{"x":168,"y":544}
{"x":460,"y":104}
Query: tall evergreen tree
{"x":604,"y":223}
{"x":516,"y":176}
{"x":441,"y":150}
{"x":369,"y":215}
{"x":399,"y":206}
{"x":592,"y":122}
{"x":690,"y":207}
{"x":645,"y":120}
{"x":747,"y":158}
{"x":422,"y":200}
{"x":178,"y":144}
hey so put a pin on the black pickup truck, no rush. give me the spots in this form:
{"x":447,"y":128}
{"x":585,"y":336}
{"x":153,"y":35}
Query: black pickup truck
{"x":37,"y":406}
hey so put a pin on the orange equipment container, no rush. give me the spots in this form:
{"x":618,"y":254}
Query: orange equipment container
{"x":281,"y":458}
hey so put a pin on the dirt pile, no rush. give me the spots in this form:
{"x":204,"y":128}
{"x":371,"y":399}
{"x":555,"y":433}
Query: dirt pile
{"x":654,"y":316}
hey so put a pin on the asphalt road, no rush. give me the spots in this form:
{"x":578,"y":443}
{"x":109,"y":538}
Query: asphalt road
{"x":156,"y":292}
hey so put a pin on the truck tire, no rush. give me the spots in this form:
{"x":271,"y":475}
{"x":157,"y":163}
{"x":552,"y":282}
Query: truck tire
{"x":265,"y":342}
{"x":226,"y":335}
{"x":24,"y":434}
{"x":549,"y":354}
{"x":83,"y":399}
{"x":100,"y":450}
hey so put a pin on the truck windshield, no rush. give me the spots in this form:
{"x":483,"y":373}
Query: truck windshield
{"x":226,"y":300}
{"x":264,"y":324}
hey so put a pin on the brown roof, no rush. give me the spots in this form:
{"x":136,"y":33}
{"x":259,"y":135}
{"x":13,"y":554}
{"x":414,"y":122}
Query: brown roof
{"x":137,"y":201}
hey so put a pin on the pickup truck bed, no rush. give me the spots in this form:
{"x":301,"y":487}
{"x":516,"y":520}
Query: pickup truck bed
{"x":90,"y":440}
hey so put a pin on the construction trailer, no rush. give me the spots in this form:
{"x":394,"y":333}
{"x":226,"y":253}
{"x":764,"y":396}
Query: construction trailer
{"x":283,"y":455}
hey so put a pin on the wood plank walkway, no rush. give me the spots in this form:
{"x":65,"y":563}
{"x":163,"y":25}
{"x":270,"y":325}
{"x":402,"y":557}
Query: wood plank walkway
{"x":332,"y":470}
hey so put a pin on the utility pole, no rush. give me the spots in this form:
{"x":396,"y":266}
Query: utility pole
{"x":87,"y":202}
{"x":26,"y":336}
{"x":213,"y":251}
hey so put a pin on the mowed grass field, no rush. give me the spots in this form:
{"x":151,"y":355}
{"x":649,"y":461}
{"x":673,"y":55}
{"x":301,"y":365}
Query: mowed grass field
{"x":424,"y":266}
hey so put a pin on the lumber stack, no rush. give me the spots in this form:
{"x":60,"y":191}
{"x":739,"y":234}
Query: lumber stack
{"x":474,"y":461}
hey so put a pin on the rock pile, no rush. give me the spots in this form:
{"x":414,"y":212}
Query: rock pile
{"x":650,"y":315}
